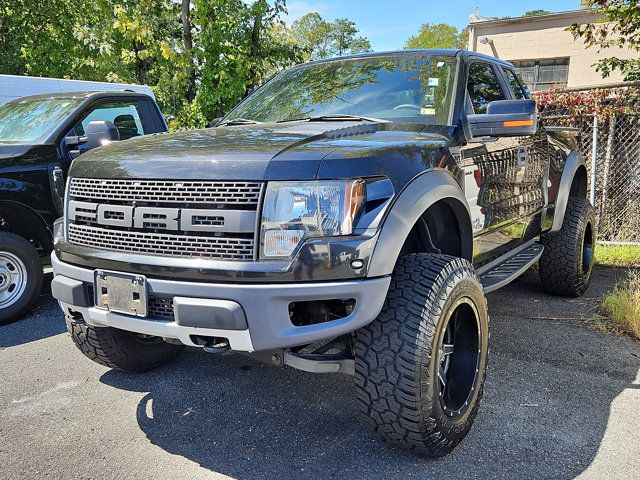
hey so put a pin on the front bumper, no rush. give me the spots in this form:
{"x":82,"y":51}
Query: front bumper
{"x":265,"y":307}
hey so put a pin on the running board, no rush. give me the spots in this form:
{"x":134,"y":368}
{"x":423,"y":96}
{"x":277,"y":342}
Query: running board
{"x":502,"y":272}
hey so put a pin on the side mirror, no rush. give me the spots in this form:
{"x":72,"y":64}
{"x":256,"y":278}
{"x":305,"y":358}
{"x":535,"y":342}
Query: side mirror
{"x":504,"y":118}
{"x":215,"y":121}
{"x":101,"y":133}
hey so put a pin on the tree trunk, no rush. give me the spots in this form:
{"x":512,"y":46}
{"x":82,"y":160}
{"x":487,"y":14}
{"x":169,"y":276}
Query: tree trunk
{"x":142,"y":66}
{"x":255,"y":46}
{"x":187,"y":39}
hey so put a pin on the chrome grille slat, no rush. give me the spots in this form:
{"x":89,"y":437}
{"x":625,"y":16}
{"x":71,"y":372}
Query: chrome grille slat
{"x":224,"y":248}
{"x":167,"y":191}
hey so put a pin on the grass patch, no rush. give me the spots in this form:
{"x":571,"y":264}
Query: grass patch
{"x":622,"y":306}
{"x":618,"y":255}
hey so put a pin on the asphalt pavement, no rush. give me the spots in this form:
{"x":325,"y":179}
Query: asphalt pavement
{"x":561,"y":401}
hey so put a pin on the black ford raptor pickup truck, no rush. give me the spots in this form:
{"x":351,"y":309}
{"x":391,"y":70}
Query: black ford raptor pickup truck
{"x":348,"y":216}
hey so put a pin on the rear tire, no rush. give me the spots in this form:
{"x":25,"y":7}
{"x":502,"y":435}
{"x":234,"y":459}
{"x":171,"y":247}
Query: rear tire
{"x":566,"y":263}
{"x":121,"y":350}
{"x":420,"y":366}
{"x":20,"y":277}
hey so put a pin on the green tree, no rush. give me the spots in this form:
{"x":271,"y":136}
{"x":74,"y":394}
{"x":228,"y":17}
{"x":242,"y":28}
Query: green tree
{"x":319,"y":38}
{"x":345,"y":38}
{"x":241,"y":46}
{"x":436,"y":35}
{"x":621,"y":29}
{"x":36,"y":37}
{"x":313,"y":34}
{"x":533,"y":13}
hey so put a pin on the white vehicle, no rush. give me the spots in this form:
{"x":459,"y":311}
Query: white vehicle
{"x":15,"y":86}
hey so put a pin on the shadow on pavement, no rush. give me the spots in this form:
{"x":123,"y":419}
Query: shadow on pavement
{"x":38,"y":324}
{"x":550,"y":386}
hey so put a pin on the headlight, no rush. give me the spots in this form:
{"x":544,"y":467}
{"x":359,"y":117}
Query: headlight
{"x":293,"y":211}
{"x":58,"y":231}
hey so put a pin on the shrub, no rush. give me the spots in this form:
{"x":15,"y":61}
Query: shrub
{"x":622,"y":305}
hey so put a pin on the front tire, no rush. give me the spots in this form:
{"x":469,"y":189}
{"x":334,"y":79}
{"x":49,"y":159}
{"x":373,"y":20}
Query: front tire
{"x":420,"y":366}
{"x":121,"y":350}
{"x":20,"y":277}
{"x":567,"y":260}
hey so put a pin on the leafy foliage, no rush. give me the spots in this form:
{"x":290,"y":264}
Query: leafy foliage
{"x":604,"y":102}
{"x":320,"y":39}
{"x":536,"y":12}
{"x":621,"y":29}
{"x":199,"y":56}
{"x":437,"y":35}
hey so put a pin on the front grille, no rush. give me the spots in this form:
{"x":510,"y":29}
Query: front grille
{"x":216,"y":218}
{"x":166,"y":191}
{"x":238,"y":249}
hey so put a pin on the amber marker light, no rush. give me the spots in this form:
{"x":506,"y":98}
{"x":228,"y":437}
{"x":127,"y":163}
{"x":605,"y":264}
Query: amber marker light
{"x":518,"y":123}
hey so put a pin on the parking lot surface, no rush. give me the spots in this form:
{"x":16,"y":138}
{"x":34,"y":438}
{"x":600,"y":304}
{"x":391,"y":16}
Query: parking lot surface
{"x":561,"y":401}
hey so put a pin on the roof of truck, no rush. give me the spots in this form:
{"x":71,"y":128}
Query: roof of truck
{"x":451,"y":52}
{"x":87,"y":95}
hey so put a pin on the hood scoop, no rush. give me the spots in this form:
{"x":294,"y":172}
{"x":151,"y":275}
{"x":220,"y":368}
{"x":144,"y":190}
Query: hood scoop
{"x":362,"y":129}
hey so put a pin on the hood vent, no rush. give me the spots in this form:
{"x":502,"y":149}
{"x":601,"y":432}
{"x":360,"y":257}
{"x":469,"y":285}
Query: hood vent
{"x":363,"y":129}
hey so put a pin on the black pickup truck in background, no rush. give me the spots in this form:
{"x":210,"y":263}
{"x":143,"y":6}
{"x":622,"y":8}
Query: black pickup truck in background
{"x":39,"y":138}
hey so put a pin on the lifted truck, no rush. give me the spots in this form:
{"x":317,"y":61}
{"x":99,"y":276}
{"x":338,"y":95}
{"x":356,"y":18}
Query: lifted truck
{"x":348,"y":216}
{"x":40,"y":135}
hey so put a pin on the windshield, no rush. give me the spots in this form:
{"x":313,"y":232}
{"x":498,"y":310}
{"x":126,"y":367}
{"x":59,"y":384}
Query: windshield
{"x":406,"y":87}
{"x":32,"y":120}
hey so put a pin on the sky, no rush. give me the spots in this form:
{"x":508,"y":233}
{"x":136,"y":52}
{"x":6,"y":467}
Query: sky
{"x":388,"y":23}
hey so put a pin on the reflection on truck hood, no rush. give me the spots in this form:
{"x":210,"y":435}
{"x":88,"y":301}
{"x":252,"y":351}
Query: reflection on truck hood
{"x":291,"y":151}
{"x":8,"y":150}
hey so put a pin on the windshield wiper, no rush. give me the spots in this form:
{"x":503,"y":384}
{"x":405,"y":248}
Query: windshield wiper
{"x":339,"y":117}
{"x":239,"y":121}
{"x":335,"y":117}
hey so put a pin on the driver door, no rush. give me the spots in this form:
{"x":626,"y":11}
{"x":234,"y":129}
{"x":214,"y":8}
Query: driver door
{"x":502,"y":175}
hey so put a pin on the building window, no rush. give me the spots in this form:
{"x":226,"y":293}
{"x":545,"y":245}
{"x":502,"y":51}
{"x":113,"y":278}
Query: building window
{"x":543,"y":74}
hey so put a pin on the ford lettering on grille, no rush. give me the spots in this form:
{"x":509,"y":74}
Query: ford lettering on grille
{"x":185,"y":219}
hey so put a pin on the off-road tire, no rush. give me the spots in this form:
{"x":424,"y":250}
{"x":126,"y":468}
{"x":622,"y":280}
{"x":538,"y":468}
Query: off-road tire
{"x":14,"y":245}
{"x":398,"y":355}
{"x":121,"y":350}
{"x":566,"y":263}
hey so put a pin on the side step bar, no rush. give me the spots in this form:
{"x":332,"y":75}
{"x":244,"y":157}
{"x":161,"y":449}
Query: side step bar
{"x":503,"y":271}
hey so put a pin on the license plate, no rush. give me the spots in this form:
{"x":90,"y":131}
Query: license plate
{"x":121,"y":292}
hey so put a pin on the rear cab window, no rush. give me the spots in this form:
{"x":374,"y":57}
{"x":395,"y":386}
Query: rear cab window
{"x":483,"y":86}
{"x":519,"y":92}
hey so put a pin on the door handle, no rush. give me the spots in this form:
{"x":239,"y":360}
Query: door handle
{"x":523,"y":156}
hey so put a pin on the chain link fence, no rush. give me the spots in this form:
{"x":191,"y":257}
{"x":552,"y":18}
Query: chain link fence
{"x":610,"y":145}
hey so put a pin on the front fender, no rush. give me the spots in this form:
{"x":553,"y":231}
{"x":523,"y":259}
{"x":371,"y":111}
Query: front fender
{"x":421,"y":193}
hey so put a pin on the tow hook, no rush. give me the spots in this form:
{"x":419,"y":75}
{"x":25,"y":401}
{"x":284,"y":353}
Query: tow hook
{"x":217,"y":345}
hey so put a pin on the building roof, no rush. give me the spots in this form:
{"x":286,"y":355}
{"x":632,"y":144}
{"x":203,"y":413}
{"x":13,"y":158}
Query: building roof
{"x":570,"y":14}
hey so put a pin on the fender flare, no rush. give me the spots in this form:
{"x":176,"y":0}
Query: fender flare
{"x":421,"y":193}
{"x":573,"y":163}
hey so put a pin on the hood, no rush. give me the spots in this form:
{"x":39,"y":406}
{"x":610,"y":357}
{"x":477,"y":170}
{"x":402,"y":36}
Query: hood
{"x":9,"y":150}
{"x":291,"y":151}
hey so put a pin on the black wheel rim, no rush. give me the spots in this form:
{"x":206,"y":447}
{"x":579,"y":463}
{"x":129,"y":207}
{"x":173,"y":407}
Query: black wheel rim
{"x":459,"y":358}
{"x":587,"y":249}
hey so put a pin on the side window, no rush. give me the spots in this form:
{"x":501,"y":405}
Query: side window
{"x":516,"y":85}
{"x":125,"y":115}
{"x":483,"y":86}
